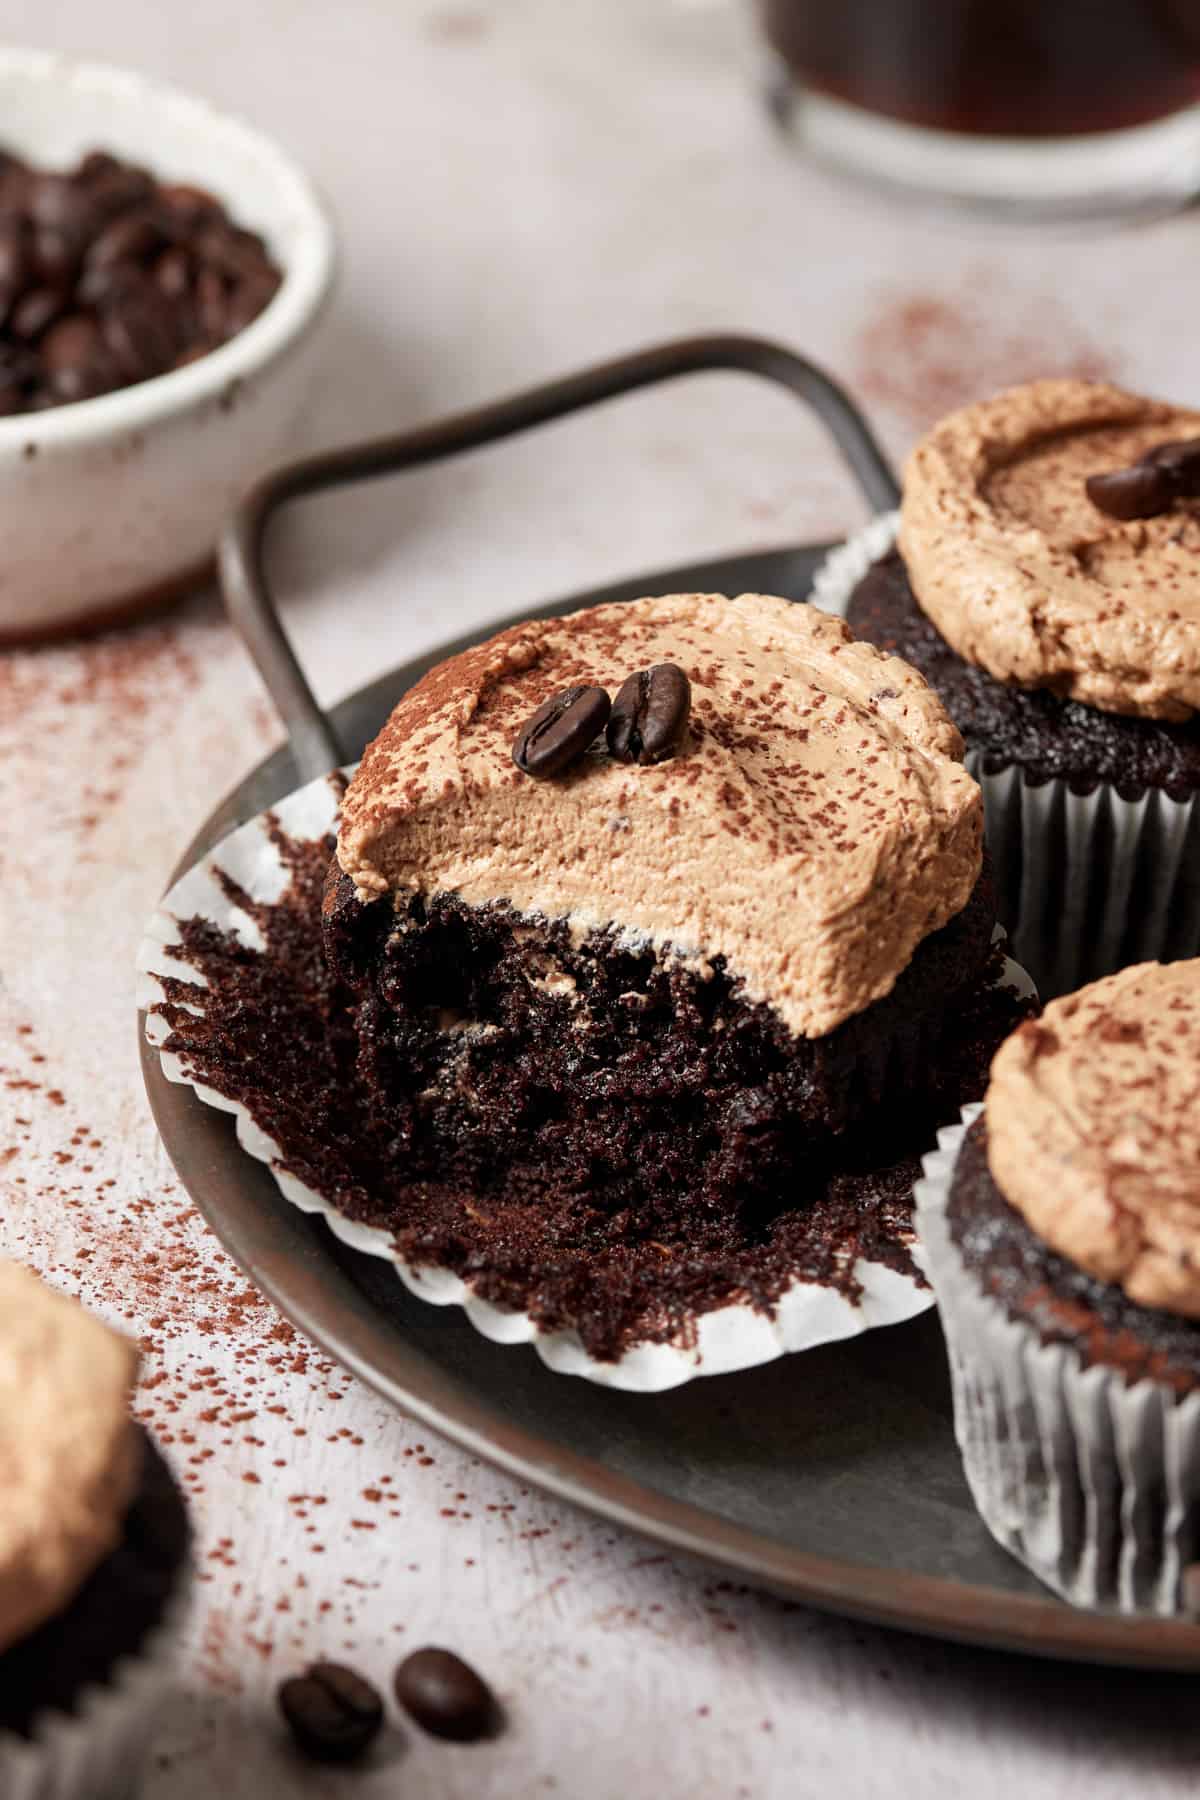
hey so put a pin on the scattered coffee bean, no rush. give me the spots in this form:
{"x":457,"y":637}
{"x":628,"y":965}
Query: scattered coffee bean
{"x":1152,"y":485}
{"x":650,"y":714}
{"x":445,"y":1696}
{"x":160,"y":274}
{"x":333,"y":1713}
{"x":561,"y":730}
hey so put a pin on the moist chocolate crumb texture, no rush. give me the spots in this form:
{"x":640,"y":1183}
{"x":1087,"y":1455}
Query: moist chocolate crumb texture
{"x":1063,"y":638}
{"x":93,"y":1532}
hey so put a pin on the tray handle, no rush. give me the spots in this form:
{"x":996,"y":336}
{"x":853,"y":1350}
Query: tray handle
{"x":248,"y":597}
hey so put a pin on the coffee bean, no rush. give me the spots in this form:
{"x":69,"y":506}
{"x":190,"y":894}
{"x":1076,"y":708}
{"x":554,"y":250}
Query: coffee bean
{"x":212,"y":304}
{"x":139,"y":339}
{"x":248,"y":299}
{"x":14,"y":254}
{"x":96,"y":165}
{"x":1152,"y":485}
{"x":334,"y":1714}
{"x":74,"y":360}
{"x":561,"y":730}
{"x":234,"y":252}
{"x":37,"y":308}
{"x":650,"y":714}
{"x":116,"y":260}
{"x":445,"y":1696}
{"x":1179,"y":460}
{"x":131,"y":237}
{"x":1134,"y":493}
{"x":172,"y":272}
{"x":110,"y":285}
{"x":188,"y":204}
{"x":1191,"y":1591}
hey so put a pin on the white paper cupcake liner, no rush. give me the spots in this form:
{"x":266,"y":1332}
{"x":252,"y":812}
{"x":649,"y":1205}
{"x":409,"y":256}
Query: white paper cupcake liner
{"x":716,"y":1342}
{"x":98,"y":1749}
{"x":1093,"y":1484}
{"x":1086,"y":883}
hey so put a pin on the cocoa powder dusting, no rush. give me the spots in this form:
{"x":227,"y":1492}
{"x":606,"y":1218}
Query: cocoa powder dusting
{"x":922,"y":354}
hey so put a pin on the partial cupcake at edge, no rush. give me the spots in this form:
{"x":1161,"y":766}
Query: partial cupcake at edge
{"x":1061,"y":1228}
{"x":630,"y":1008}
{"x":1044,"y":576}
{"x":94,"y":1552}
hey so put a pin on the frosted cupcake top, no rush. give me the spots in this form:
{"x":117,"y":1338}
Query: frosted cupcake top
{"x":1026,"y":575}
{"x":813,"y":826}
{"x":1093,"y":1120}
{"x":71,"y":1454}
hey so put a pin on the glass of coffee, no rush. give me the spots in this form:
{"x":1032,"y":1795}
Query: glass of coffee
{"x":1060,"y":108}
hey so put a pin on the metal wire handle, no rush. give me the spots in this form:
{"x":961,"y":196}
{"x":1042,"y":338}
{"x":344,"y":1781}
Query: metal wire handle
{"x":247,"y":594}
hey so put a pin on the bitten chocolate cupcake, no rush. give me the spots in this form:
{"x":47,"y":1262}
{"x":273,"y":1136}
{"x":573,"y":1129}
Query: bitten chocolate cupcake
{"x":1061,"y":1226}
{"x":1045,"y":578}
{"x":658,"y":970}
{"x":632,"y":921}
{"x":93,"y":1553}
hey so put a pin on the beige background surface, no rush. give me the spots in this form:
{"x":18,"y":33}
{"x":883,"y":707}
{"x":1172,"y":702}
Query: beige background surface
{"x":522,"y":185}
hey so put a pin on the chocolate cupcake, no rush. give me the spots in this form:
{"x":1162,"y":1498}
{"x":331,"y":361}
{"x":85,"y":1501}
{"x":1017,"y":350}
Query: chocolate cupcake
{"x":93,"y":1553}
{"x":633,"y":920}
{"x":1061,"y":1227}
{"x":1044,"y":576}
{"x":645,"y":975}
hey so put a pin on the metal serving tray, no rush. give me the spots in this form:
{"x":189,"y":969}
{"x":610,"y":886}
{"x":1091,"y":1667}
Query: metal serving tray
{"x":831,"y":1477}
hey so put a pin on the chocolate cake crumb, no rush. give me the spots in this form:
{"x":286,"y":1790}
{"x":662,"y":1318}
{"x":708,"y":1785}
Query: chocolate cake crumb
{"x":278,"y":1034}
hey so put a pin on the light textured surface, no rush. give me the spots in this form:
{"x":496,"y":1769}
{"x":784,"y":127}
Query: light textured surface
{"x":523,"y":184}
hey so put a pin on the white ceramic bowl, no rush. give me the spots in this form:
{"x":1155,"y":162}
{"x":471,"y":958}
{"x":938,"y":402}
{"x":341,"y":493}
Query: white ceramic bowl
{"x":110,"y":504}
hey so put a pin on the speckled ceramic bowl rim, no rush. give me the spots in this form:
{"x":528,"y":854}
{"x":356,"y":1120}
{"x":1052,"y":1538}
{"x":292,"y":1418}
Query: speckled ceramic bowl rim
{"x":307,"y":277}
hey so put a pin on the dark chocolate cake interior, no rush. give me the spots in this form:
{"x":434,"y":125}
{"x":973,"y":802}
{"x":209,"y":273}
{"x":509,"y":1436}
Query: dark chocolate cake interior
{"x":499,"y":1052}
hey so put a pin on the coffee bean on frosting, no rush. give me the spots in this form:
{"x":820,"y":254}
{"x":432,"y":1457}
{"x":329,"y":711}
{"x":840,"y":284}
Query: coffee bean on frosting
{"x":561,"y":730}
{"x":334,"y":1714}
{"x":650,"y":714}
{"x":445,"y":1696}
{"x":1152,"y":485}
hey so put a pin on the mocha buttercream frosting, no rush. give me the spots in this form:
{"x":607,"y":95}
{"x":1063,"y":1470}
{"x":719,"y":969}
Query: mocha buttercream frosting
{"x":814,"y":826}
{"x":1025,"y":577}
{"x":71,"y":1454}
{"x":1093,"y":1119}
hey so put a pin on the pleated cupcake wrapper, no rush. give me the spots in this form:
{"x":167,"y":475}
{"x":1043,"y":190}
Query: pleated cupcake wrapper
{"x":98,"y":1749}
{"x":1093,"y":1484}
{"x":729,"y":1337}
{"x":1086,"y":883}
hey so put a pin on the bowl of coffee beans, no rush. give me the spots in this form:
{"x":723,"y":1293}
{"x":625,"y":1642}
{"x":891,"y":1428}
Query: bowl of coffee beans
{"x":163,"y":273}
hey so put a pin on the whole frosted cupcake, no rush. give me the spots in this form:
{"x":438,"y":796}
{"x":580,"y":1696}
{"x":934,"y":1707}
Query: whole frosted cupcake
{"x":1044,"y":576}
{"x":93,"y":1552}
{"x":1062,"y":1234}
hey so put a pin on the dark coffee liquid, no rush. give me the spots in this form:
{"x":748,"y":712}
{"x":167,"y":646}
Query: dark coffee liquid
{"x":1027,"y":68}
